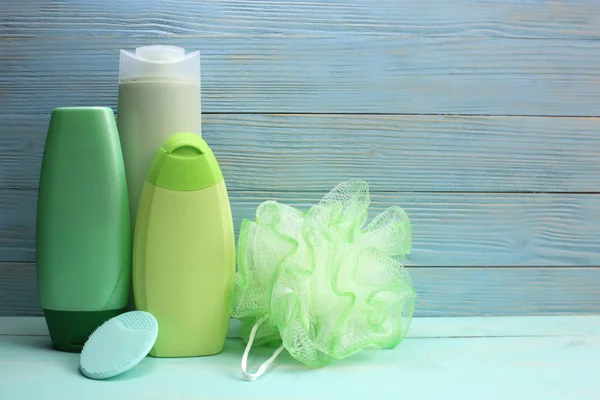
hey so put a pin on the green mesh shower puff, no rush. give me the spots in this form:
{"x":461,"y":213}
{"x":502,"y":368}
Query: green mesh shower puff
{"x":321,"y":284}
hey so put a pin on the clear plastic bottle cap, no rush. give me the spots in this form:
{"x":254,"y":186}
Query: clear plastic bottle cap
{"x":159,"y":63}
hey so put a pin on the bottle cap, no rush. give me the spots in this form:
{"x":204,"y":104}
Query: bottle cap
{"x":184,"y":162}
{"x":69,"y":330}
{"x":169,"y":63}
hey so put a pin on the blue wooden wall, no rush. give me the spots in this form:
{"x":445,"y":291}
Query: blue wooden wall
{"x":479,"y":117}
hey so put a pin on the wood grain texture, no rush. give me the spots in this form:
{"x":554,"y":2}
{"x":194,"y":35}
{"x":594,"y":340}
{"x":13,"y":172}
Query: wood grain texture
{"x":448,"y":229}
{"x":507,"y":18}
{"x":393,"y":153}
{"x":550,"y":368}
{"x":18,"y":290}
{"x":269,"y":58}
{"x":337,"y":74}
{"x":441,"y":292}
{"x":420,"y":327}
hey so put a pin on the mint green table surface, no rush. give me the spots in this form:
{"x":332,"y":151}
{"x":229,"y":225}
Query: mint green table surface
{"x":443,"y":358}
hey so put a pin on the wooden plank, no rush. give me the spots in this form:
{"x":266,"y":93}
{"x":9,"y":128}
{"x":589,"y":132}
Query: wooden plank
{"x":18,"y":290}
{"x":22,"y":140}
{"x":475,"y":229}
{"x":323,"y":74}
{"x":420,"y":327}
{"x":508,"y":18}
{"x":442,"y":292}
{"x":393,"y":153}
{"x":519,"y":368}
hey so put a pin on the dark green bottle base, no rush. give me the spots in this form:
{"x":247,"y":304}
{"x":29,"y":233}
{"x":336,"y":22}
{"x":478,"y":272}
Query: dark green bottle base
{"x":69,"y":330}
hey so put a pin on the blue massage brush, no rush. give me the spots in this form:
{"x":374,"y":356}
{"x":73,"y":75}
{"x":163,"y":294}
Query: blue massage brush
{"x":118,"y":345}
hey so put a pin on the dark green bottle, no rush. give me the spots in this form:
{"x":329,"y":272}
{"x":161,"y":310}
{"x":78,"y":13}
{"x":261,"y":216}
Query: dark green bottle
{"x":83,"y":230}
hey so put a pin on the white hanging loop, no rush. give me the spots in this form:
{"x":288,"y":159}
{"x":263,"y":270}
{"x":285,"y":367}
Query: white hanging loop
{"x":264,"y":366}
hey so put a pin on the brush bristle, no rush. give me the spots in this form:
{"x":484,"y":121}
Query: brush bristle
{"x":118,"y":345}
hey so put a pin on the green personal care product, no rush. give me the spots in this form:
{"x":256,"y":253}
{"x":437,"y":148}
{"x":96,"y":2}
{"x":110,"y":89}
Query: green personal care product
{"x":184,"y":250}
{"x":83,"y":231}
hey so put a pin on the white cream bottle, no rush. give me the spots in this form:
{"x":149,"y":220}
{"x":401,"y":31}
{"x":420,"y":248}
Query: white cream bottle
{"x":159,"y":95}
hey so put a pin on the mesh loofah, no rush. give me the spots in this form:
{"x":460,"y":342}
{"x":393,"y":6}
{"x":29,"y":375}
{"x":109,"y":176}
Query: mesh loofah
{"x":320,"y":283}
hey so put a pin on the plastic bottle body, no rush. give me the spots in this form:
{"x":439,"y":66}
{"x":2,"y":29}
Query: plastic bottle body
{"x":183,"y":269}
{"x":149,"y":113}
{"x":159,"y":95}
{"x":83,"y":235}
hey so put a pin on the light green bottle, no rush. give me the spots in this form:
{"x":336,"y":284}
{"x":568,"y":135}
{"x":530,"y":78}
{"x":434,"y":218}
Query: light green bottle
{"x":184,"y":250}
{"x":83,"y":236}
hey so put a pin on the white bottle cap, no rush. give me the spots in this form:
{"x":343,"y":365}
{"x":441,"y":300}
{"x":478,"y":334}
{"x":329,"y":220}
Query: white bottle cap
{"x":169,"y":63}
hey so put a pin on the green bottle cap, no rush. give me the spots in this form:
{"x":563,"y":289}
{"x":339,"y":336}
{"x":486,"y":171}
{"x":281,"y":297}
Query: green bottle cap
{"x":69,"y":330}
{"x":184,"y":162}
